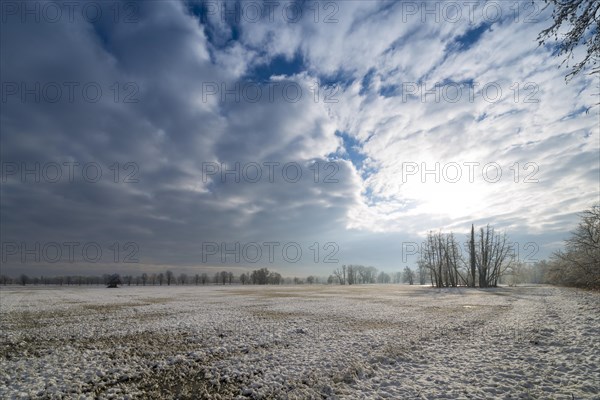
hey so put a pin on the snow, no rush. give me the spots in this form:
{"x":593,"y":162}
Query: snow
{"x":357,"y":342}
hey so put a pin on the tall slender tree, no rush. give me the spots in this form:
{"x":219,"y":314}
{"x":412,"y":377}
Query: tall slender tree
{"x":472,"y":256}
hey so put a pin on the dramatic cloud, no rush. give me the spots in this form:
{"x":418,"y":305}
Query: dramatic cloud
{"x":340,"y":129}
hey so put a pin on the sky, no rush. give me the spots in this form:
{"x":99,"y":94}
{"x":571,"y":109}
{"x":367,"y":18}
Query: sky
{"x":298,"y":136}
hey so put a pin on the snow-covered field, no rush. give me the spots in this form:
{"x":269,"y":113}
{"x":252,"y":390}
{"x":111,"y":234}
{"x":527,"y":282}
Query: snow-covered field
{"x":376,"y":341}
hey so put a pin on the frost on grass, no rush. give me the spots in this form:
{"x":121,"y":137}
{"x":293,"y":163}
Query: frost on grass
{"x":385,"y":341}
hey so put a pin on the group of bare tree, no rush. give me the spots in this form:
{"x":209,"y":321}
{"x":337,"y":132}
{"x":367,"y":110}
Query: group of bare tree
{"x":490,"y":255}
{"x":578,"y":264}
{"x":521,"y":272}
{"x":356,"y":274}
{"x":408,"y":276}
{"x":360,"y":274}
{"x":261,"y":277}
{"x":440,"y":256}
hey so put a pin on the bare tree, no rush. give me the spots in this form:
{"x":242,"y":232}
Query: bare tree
{"x":363,"y":274}
{"x":581,"y":18}
{"x":351,"y":272}
{"x":434,"y":256}
{"x":263,"y":277}
{"x":260,"y":276}
{"x":274,"y":278}
{"x":422,"y":268}
{"x":114,"y":281}
{"x":182,"y":279}
{"x":494,"y":256}
{"x":408,"y":276}
{"x":170,"y":277}
{"x":23,"y":279}
{"x":472,"y":257}
{"x":144,"y":279}
{"x":453,"y":262}
{"x":579,"y":263}
{"x":340,"y":274}
{"x":383,"y":277}
{"x":539,"y":272}
{"x":517,"y":273}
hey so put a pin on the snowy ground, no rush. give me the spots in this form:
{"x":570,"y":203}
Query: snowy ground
{"x":377,"y":341}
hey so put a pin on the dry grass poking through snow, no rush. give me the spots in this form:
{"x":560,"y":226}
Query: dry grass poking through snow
{"x":384,"y":341}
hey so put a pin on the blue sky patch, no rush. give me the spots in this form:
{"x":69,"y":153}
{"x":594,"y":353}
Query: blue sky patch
{"x":390,"y":91}
{"x":352,"y":149}
{"x":469,"y":38}
{"x":366,"y":81}
{"x":341,"y":78}
{"x":279,"y":65}
{"x":213,"y":33}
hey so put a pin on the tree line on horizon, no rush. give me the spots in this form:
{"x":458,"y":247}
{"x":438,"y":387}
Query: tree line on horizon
{"x":490,"y":261}
{"x":258,"y":277}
